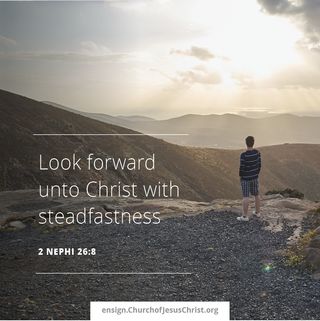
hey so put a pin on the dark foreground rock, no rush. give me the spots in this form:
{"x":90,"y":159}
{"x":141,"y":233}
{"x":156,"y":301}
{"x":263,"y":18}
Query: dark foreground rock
{"x":229,"y":261}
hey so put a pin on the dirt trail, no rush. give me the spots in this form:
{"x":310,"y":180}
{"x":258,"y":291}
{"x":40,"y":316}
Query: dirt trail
{"x":229,"y":261}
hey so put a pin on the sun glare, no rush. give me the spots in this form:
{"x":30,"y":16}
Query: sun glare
{"x":265,"y":47}
{"x":255,"y":44}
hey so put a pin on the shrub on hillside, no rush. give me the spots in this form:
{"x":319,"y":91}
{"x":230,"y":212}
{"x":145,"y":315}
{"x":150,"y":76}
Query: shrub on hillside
{"x":288,"y":192}
{"x":295,"y":254}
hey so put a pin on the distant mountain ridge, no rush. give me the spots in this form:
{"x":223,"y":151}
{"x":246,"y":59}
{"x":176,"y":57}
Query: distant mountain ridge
{"x":202,"y":173}
{"x":223,"y":131}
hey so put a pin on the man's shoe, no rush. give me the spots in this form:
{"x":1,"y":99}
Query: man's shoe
{"x":243,"y":218}
{"x":256,"y":214}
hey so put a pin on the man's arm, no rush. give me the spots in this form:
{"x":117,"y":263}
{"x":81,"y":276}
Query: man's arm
{"x":242,"y":167}
{"x":259,"y":162}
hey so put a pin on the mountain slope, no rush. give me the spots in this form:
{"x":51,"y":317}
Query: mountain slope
{"x":202,"y":174}
{"x":222,"y":131}
{"x":288,"y":165}
{"x":20,"y":161}
{"x":119,"y":121}
{"x":227,"y":131}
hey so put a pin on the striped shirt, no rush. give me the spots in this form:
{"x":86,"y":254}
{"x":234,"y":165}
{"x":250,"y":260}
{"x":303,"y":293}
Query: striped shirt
{"x":250,"y":164}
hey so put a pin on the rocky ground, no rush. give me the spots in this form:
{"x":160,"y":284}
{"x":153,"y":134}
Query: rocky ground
{"x":228,"y":261}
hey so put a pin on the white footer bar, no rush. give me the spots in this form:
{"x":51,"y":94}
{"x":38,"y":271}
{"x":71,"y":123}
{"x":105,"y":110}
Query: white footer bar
{"x":159,"y":310}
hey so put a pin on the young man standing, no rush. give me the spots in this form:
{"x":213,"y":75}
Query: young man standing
{"x":250,"y":165}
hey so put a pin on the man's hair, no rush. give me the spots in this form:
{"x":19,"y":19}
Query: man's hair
{"x":250,"y":141}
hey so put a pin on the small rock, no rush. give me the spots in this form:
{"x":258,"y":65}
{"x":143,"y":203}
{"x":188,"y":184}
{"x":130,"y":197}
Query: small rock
{"x":17,"y":225}
{"x":263,"y":294}
{"x":29,"y":301}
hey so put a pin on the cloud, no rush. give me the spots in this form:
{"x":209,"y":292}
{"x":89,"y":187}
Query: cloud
{"x":201,"y":77}
{"x":197,"y":52}
{"x":127,"y":5}
{"x":305,"y":13}
{"x":136,"y":5}
{"x":299,"y":76}
{"x":63,"y":56}
{"x":7,"y":42}
{"x":196,"y":75}
{"x":89,"y":52}
{"x":91,"y":48}
{"x":278,"y":6}
{"x":243,"y":79}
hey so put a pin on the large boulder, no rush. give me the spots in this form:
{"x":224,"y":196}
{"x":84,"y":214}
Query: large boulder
{"x":315,"y":242}
{"x":312,"y":252}
{"x":17,"y":225}
{"x":312,"y":258}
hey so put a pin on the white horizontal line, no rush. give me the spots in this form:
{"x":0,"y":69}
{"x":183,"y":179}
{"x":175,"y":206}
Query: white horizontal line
{"x":149,"y":134}
{"x":113,"y":273}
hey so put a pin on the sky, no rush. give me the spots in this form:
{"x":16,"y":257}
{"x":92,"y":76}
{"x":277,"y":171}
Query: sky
{"x":164,"y":58}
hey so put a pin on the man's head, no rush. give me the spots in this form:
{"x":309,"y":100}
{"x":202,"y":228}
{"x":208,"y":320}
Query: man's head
{"x":250,"y":141}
